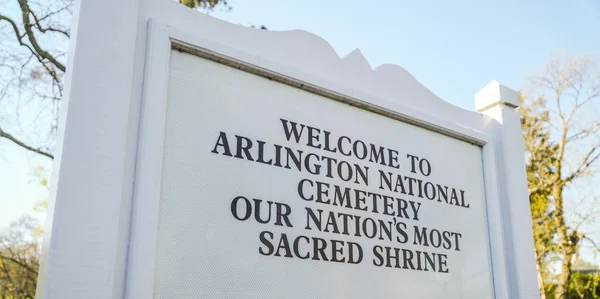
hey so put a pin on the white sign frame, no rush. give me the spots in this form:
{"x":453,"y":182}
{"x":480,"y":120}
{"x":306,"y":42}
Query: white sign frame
{"x":129,"y":220}
{"x":163,"y":39}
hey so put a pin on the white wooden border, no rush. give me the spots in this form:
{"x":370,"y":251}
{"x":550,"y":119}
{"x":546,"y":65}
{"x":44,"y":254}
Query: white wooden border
{"x":142,"y":249}
{"x":161,"y":40}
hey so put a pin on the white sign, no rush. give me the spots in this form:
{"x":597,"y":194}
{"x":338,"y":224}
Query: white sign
{"x":273,"y":192}
{"x":243,"y":163}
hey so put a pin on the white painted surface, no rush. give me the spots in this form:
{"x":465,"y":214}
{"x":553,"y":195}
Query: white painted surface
{"x":517,"y":228}
{"x":94,"y":229}
{"x":87,"y":231}
{"x":495,"y":94}
{"x":204,"y":252}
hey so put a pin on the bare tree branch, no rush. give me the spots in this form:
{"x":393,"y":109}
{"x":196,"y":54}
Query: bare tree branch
{"x":39,"y":57}
{"x":594,"y":244}
{"x":25,"y":12}
{"x":3,"y":134}
{"x":48,"y":28}
{"x":18,"y":34}
{"x":31,"y":271}
{"x":588,"y":160}
{"x":584,"y":132}
{"x":572,"y":85}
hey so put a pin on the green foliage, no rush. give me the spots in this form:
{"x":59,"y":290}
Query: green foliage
{"x":19,"y":260}
{"x":582,"y":286}
{"x":204,"y":4}
{"x":541,"y":155}
{"x":42,"y":177}
{"x":552,"y":145}
{"x":585,"y":286}
{"x":20,"y":249}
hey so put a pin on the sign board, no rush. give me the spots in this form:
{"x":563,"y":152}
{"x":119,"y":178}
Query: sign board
{"x":255,"y":164}
{"x":278,"y":192}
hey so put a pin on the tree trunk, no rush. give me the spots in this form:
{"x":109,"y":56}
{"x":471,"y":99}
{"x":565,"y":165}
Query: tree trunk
{"x":564,"y":279}
{"x":540,"y":280}
{"x":566,"y":250}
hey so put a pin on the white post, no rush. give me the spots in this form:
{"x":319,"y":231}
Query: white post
{"x":499,"y":103}
{"x":84,"y":252}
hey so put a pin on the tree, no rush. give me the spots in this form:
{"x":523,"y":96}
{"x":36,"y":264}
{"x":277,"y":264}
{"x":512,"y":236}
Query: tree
{"x":19,"y":259}
{"x":562,"y":142}
{"x":585,"y":286}
{"x":34,"y":38}
{"x":204,"y":4}
{"x":33,"y":46}
{"x":541,"y":155}
{"x":32,"y":64}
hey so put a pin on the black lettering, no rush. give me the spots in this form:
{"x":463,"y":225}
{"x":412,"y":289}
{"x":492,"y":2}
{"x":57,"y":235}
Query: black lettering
{"x":435,"y":238}
{"x":420,"y":238}
{"x":222,"y":142}
{"x":401,"y":229}
{"x":373,"y":228}
{"x":376,"y":155}
{"x":266,"y":242}
{"x":442,"y":193}
{"x":430,"y":191}
{"x":419,"y":261}
{"x":416,"y":206}
{"x":346,"y":219}
{"x":447,"y":242}
{"x":360,"y":199}
{"x":340,"y":197}
{"x":348,"y":153}
{"x":348,"y":173}
{"x":364,"y":174}
{"x":285,"y":245}
{"x":378,"y":259}
{"x":297,"y":247}
{"x":331,"y":222}
{"x":234,"y":210}
{"x":322,"y":192}
{"x":243,"y":146}
{"x":456,"y":236}
{"x":283,"y":213}
{"x":429,"y":261}
{"x":385,"y":227}
{"x":351,"y":255}
{"x":312,"y":168}
{"x":402,"y":206}
{"x":425,"y":167}
{"x":296,"y":159}
{"x":330,"y":162}
{"x":443,"y":262}
{"x":293,"y":130}
{"x":358,"y":144}
{"x":393,"y":158}
{"x":301,"y":192}
{"x":257,"y":211}
{"x":333,"y":150}
{"x":319,"y":249}
{"x":462,"y":200}
{"x":261,"y":153}
{"x":312,"y":137}
{"x":413,"y":161}
{"x":385,"y":179}
{"x":408,"y":256}
{"x":337,"y":247}
{"x":311,"y":215}
{"x":392,"y":256}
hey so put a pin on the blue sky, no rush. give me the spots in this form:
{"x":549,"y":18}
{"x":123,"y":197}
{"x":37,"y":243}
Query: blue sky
{"x":452,"y":47}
